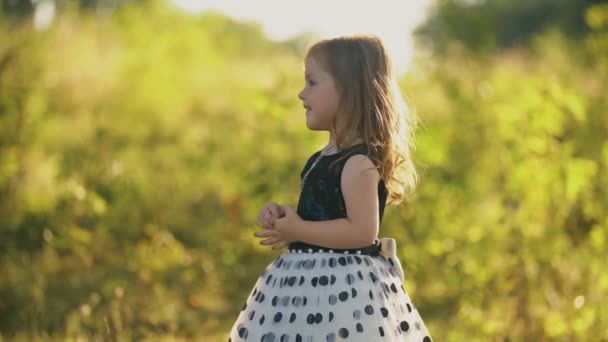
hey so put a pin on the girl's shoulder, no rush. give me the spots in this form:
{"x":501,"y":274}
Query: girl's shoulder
{"x":342,"y":157}
{"x":337,"y":160}
{"x":360,"y":148}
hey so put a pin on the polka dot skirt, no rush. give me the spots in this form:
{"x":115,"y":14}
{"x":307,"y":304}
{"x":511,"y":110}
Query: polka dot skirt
{"x":327,"y":297}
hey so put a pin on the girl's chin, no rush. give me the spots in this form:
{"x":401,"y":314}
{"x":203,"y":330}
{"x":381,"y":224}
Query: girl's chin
{"x":315,"y":126}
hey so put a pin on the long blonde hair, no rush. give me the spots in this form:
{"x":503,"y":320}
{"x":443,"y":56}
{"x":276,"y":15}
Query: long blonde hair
{"x":371,"y":107}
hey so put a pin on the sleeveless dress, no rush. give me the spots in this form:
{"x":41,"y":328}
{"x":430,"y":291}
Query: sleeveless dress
{"x":314,"y":293}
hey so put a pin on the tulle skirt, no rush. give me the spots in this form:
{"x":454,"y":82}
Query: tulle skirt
{"x":326,"y":296}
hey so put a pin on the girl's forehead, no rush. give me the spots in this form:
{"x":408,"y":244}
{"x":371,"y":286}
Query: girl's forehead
{"x":312,"y":66}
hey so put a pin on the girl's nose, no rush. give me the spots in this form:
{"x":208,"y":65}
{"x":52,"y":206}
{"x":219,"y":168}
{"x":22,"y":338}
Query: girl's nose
{"x":300,"y":96}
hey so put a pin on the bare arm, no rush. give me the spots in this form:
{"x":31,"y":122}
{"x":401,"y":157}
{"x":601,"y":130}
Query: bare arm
{"x":360,"y":228}
{"x":360,"y":190}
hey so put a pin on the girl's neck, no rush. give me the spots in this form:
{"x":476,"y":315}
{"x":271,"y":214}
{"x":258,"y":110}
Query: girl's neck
{"x":332,"y":142}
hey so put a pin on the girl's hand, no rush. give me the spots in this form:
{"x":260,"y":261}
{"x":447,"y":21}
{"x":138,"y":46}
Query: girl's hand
{"x":284,"y":230}
{"x":267,"y":214}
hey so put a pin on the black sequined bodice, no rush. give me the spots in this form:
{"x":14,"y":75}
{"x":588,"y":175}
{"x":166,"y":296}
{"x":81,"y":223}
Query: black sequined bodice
{"x":321,"y":197}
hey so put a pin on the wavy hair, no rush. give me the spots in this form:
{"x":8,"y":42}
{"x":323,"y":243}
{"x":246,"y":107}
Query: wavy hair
{"x":371,"y":107}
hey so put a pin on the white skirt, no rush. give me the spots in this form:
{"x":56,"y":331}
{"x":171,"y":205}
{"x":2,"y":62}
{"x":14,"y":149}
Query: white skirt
{"x":325,"y":297}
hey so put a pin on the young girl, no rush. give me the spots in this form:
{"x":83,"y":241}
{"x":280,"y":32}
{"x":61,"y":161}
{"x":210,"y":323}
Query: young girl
{"x":337,"y":281}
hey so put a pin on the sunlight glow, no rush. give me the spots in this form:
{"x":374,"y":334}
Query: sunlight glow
{"x":44,"y":14}
{"x":390,"y":19}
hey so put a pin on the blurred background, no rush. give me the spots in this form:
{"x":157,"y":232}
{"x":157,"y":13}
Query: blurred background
{"x":138,"y":139}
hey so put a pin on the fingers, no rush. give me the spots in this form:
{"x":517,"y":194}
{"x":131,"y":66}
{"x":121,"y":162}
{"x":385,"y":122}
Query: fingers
{"x":270,"y":241}
{"x":263,"y":223}
{"x":285,"y":208}
{"x":268,"y":220}
{"x":267,"y":214}
{"x":271,"y":238}
{"x":265,"y":219}
{"x":275,"y":210}
{"x":265,"y":233}
{"x":281,"y":244}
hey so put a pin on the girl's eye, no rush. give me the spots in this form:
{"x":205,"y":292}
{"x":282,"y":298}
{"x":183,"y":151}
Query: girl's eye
{"x":311,"y":83}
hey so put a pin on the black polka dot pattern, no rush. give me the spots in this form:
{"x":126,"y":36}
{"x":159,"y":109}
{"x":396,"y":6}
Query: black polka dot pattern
{"x":312,"y":297}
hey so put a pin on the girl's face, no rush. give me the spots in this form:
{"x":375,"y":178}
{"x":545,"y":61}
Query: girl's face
{"x":320,"y":96}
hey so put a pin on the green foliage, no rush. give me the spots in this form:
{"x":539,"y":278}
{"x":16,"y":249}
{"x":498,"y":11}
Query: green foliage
{"x":136,"y":149}
{"x":506,"y":238}
{"x":485,"y":25}
{"x":132,"y":167}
